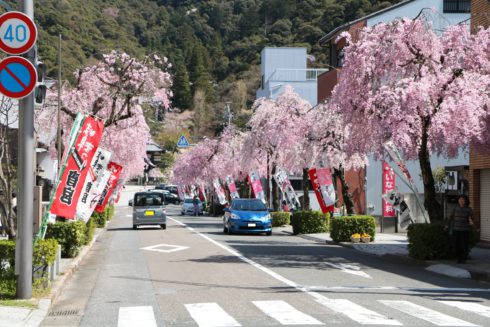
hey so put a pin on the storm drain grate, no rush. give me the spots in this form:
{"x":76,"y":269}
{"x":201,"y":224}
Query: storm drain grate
{"x":64,"y":313}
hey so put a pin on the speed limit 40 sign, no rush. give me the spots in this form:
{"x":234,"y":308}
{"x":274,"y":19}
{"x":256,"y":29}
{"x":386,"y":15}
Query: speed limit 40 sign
{"x":18,"y":33}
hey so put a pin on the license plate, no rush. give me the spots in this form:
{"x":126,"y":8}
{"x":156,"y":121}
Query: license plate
{"x":149,"y":213}
{"x":252,"y":224}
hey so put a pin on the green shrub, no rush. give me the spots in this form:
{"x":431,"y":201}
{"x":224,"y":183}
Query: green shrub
{"x":306,"y":222}
{"x":280,"y":218}
{"x":90,"y":230}
{"x":341,"y":228}
{"x":43,"y":255}
{"x":70,"y":235}
{"x":110,"y":212}
{"x":99,"y":218}
{"x":432,"y":242}
{"x":7,"y":273}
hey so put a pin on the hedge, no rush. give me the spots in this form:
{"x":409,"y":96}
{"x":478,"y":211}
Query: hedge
{"x":91,"y":226}
{"x":99,"y":218}
{"x":341,"y":228}
{"x":70,"y":235}
{"x":44,"y":255}
{"x":280,"y":218}
{"x":306,"y":222}
{"x":432,"y":242}
{"x":109,"y":211}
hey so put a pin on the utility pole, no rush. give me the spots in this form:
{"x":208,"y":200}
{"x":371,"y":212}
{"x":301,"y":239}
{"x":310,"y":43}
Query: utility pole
{"x":25,"y":204}
{"x":229,"y":114}
{"x":58,"y":131}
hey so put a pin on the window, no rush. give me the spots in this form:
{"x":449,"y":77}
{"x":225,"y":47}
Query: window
{"x":153,"y":199}
{"x":249,"y":205}
{"x":457,"y":6}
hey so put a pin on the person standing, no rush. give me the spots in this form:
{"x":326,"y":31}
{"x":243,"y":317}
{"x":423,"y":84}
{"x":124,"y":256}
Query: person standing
{"x":285,"y":206}
{"x":462,"y":221}
{"x":195,"y":201}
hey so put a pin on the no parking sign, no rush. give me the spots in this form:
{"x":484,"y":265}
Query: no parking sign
{"x":18,"y":34}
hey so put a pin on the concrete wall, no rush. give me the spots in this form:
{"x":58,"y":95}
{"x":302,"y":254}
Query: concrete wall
{"x":306,"y":90}
{"x":274,"y":58}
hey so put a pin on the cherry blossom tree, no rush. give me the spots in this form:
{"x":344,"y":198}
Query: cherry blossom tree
{"x":428,"y":93}
{"x":277,"y":130}
{"x":114,"y":89}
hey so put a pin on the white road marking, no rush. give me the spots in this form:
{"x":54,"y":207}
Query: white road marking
{"x":136,"y":316}
{"x":210,"y":315}
{"x":363,"y":313}
{"x":285,"y":313}
{"x":425,"y":290}
{"x":348,"y":268}
{"x":358,"y":313}
{"x":171,"y":248}
{"x":470,"y":306}
{"x":418,"y":311}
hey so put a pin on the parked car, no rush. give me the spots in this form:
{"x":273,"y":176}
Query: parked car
{"x":247,"y":216}
{"x":188,"y":207}
{"x":172,"y":189}
{"x":160,"y":186}
{"x":149,"y":209}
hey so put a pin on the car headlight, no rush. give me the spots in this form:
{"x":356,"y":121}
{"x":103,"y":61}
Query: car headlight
{"x":233,"y":216}
{"x":268,"y":217}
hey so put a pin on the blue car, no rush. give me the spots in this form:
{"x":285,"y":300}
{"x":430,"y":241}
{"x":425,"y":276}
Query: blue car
{"x":247,"y":216}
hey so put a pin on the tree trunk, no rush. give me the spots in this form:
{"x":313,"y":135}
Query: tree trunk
{"x":268,"y":195}
{"x":433,"y":207}
{"x":349,"y":205}
{"x":306,"y":190}
{"x":275,"y":200}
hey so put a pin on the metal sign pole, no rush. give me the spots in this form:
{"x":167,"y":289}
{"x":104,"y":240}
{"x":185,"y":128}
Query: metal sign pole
{"x":25,"y":175}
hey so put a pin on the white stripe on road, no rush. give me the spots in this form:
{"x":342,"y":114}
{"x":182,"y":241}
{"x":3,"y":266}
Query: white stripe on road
{"x":357,"y":313}
{"x":362,"y":313}
{"x":418,"y":311}
{"x":470,"y":306}
{"x":136,"y":316}
{"x":348,"y":268}
{"x":210,"y":315}
{"x":285,"y":313}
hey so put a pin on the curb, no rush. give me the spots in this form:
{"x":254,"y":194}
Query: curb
{"x":66,"y":275}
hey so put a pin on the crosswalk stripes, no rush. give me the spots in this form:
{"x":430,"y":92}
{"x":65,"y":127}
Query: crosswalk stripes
{"x":357,"y":313}
{"x":285,"y":313}
{"x":136,"y":316}
{"x":470,"y":306}
{"x":418,"y":311}
{"x":210,"y":315}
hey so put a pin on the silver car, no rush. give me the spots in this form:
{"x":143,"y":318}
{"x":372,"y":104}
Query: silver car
{"x":149,"y":209}
{"x":188,"y":207}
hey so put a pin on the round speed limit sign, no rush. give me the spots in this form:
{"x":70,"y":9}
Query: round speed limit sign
{"x":18,"y":33}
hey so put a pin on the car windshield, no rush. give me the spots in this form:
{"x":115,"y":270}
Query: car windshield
{"x":191,"y":201}
{"x":248,"y":205}
{"x":152,"y":199}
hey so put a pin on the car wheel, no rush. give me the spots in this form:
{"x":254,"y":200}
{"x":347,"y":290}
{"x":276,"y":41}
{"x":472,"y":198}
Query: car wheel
{"x":230,"y":232}
{"x":164,"y":226}
{"x":182,"y":213}
{"x":225,"y":230}
{"x":268,"y":233}
{"x":135,"y":227}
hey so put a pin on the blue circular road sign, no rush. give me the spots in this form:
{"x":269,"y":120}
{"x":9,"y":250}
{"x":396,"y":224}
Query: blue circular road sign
{"x":18,"y":77}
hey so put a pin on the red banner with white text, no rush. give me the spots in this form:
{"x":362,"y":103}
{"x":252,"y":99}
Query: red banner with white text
{"x":115,"y":170}
{"x":77,"y":167}
{"x":321,"y":179}
{"x":388,"y":185}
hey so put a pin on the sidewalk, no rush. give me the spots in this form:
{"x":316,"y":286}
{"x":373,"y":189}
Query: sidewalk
{"x":11,"y":316}
{"x":477,"y":267}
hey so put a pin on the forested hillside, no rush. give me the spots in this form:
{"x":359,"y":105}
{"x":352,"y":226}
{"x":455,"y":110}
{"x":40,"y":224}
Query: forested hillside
{"x":214,"y":45}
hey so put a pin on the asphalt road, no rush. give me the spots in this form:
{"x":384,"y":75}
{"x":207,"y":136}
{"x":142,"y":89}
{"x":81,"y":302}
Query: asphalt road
{"x":191,"y":274}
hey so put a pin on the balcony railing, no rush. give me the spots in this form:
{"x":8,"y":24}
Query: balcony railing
{"x":296,"y":75}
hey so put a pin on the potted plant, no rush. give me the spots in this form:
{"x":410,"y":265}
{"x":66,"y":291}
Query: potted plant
{"x":355,"y":238}
{"x":365,"y":238}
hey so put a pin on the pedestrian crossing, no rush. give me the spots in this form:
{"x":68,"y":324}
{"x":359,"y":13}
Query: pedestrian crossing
{"x":284,"y":314}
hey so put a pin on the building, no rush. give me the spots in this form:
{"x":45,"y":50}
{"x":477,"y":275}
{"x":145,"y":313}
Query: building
{"x":441,"y":13}
{"x":479,"y":172}
{"x":287,"y":66}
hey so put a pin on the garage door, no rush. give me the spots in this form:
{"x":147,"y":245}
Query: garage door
{"x":485,"y":204}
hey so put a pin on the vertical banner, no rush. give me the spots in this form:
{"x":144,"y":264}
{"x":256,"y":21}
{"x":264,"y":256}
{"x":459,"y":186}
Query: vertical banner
{"x":388,"y":186}
{"x":181,"y":193}
{"x":321,"y":179}
{"x":202,"y":193}
{"x":80,"y":156}
{"x":219,"y":192}
{"x":115,"y":171}
{"x":232,"y":187}
{"x":88,"y":198}
{"x":287,"y":189}
{"x":254,"y":181}
{"x":397,"y":158}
